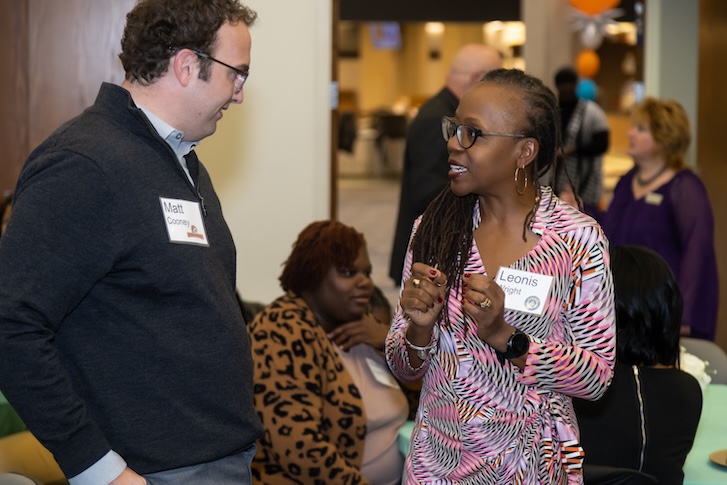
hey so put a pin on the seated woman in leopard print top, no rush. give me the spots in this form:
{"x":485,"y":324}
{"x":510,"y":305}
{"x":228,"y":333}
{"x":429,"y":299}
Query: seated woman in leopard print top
{"x":330,"y":407}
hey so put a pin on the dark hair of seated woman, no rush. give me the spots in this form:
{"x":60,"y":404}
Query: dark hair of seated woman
{"x":648,"y":418}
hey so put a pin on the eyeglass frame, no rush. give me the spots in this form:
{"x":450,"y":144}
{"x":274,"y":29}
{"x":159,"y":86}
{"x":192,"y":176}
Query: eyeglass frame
{"x":240,"y":75}
{"x":477,"y":132}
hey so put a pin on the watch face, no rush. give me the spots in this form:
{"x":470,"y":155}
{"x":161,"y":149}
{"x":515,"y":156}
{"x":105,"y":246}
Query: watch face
{"x":519,"y":343}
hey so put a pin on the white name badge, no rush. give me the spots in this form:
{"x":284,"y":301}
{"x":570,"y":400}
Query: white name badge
{"x":381,"y":373}
{"x":524,"y":291}
{"x":654,"y":198}
{"x":184,"y":222}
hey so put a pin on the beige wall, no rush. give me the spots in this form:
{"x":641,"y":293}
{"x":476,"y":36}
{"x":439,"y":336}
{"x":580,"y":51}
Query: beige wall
{"x":270,"y":159}
{"x":376,"y":66}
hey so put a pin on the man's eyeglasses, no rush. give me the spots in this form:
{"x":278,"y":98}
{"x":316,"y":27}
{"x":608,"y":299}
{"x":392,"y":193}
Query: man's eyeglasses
{"x":467,"y":135}
{"x":240,"y":76}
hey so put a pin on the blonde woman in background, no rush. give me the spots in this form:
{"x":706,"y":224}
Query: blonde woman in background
{"x":663,"y":205}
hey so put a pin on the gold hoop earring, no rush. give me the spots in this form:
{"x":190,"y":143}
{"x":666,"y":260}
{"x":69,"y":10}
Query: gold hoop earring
{"x":525,"y":183}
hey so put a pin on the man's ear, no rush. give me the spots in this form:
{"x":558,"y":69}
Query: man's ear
{"x":529,"y":148}
{"x":184,"y":65}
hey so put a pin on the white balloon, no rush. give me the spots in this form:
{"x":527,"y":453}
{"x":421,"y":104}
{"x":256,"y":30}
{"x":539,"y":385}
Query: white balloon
{"x":591,"y":36}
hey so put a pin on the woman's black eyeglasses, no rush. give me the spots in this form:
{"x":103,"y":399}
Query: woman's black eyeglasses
{"x":467,"y":135}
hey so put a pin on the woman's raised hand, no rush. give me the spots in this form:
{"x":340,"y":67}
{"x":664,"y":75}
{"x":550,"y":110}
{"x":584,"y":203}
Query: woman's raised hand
{"x":367,"y":330}
{"x":422,"y":297}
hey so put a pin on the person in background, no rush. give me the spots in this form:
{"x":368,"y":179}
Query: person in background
{"x":585,"y":133}
{"x":123,"y":347}
{"x":382,"y":311}
{"x":361,"y":331}
{"x":663,"y":205}
{"x":647,"y":419}
{"x":330,"y":407}
{"x":425,"y":154}
{"x":499,"y":373}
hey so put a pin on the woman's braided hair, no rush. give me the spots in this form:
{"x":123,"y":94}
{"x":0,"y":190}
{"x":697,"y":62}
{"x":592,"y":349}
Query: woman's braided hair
{"x":444,"y":236}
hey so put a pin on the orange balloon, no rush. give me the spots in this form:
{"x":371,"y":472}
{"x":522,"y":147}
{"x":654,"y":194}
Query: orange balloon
{"x":594,"y":7}
{"x":588,"y":63}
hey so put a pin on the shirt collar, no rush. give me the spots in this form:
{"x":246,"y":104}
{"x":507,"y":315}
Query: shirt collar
{"x":173,"y":137}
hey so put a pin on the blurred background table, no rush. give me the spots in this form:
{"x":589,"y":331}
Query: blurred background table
{"x":711,"y":437}
{"x":405,"y":437}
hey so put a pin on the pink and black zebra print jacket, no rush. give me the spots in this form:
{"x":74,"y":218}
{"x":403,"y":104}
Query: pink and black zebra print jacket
{"x":483,"y":422}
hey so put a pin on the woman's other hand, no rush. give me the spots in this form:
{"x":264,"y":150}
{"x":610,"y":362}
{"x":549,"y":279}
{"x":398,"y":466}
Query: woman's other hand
{"x":484,"y":301}
{"x":368,"y":330}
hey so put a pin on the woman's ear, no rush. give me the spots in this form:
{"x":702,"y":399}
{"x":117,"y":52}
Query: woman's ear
{"x":528,"y":151}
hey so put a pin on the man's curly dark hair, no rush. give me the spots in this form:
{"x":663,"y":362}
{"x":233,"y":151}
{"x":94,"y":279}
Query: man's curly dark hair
{"x":155,"y":29}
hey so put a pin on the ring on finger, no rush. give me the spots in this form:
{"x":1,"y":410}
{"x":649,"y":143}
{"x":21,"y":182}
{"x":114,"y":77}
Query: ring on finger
{"x":486,"y":303}
{"x":416,"y":282}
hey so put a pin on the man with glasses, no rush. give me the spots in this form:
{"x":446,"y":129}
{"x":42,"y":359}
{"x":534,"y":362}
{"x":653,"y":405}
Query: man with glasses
{"x":425,"y":156}
{"x":122,"y":343}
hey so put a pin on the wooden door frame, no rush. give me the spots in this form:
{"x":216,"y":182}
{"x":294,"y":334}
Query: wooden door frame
{"x":335,"y":18}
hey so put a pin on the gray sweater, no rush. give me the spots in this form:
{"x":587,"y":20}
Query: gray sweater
{"x":111,"y":336}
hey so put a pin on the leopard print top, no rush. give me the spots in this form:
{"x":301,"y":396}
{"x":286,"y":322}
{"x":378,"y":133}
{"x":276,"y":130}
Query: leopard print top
{"x":314,"y":419}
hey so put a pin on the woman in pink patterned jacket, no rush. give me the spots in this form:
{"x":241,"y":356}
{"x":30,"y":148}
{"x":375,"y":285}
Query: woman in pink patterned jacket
{"x":506,"y":308}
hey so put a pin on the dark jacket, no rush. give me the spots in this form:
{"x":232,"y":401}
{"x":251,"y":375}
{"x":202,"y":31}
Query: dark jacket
{"x":425,"y":171}
{"x":113,"y":337}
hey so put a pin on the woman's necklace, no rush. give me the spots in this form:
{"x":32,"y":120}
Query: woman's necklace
{"x":643,"y":183}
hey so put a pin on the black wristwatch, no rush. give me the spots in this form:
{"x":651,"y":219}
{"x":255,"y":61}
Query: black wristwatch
{"x":517,"y":346}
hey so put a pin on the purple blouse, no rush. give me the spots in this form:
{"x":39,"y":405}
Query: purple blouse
{"x":676,"y":221}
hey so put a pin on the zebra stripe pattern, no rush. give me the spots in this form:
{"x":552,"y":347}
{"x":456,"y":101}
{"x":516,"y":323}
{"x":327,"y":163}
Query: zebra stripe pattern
{"x":480,"y":422}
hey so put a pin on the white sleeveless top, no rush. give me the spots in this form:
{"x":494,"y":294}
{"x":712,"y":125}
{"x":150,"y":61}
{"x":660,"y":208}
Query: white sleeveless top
{"x":386,"y":411}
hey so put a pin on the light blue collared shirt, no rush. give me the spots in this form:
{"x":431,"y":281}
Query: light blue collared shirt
{"x":173,"y":137}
